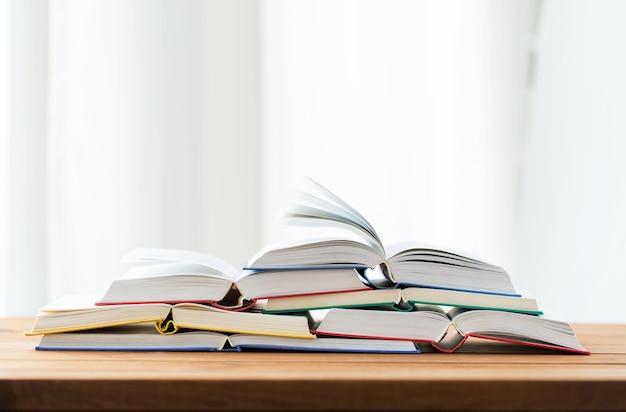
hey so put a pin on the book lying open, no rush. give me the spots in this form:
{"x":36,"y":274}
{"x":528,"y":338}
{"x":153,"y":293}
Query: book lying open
{"x":132,"y":337}
{"x":414,"y":264}
{"x":447,"y":331}
{"x":173,"y":276}
{"x":403,"y":299}
{"x":143,"y":337}
{"x":78,"y":312}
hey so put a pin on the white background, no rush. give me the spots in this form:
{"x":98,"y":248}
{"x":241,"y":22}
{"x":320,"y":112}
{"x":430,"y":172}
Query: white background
{"x":491,"y":126}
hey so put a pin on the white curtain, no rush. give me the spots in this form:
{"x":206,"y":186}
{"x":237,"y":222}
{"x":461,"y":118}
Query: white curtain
{"x":5,"y":18}
{"x":493,"y":126}
{"x":571,"y":224}
{"x":23,"y":227}
{"x":183,"y":124}
{"x":128,"y":124}
{"x":413,"y":110}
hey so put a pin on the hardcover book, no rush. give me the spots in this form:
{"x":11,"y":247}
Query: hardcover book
{"x":403,"y":299}
{"x":447,"y":331}
{"x":78,"y":312}
{"x":174,"y":276}
{"x":143,"y":337}
{"x":407,"y":264}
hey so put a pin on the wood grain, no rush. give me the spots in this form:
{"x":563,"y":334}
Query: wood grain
{"x":515,"y":378}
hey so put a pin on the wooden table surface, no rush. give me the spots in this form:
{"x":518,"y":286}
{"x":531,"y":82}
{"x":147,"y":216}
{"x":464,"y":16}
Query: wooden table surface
{"x":510,"y":380}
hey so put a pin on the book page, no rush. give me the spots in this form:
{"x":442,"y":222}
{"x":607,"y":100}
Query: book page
{"x":318,"y":205}
{"x":71,"y":302}
{"x":156,"y":270}
{"x":213,"y":264}
{"x":398,"y":248}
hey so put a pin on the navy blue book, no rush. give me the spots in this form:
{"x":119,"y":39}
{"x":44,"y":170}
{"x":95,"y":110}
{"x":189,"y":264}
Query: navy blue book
{"x":144,"y":337}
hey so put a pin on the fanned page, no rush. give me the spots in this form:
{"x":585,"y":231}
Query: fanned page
{"x":213,"y":264}
{"x":317,"y":204}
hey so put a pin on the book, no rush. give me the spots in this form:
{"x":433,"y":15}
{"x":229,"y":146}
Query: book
{"x":447,"y":331}
{"x":143,"y":337}
{"x":321,"y":344}
{"x":173,"y":276}
{"x":135,"y":337}
{"x":407,"y":263}
{"x":404,"y":300}
{"x":79,"y":312}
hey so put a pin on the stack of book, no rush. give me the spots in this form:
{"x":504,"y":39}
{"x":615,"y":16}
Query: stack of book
{"x":329,"y":294}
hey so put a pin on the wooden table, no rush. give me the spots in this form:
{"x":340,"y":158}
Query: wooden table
{"x":37,"y":380}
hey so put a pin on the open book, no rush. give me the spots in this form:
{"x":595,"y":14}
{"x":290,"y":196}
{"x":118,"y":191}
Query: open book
{"x":403,"y":299}
{"x":412,"y":264}
{"x":143,"y":337}
{"x":173,"y":276}
{"x":447,"y":331}
{"x":132,"y":337}
{"x":78,"y":312}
